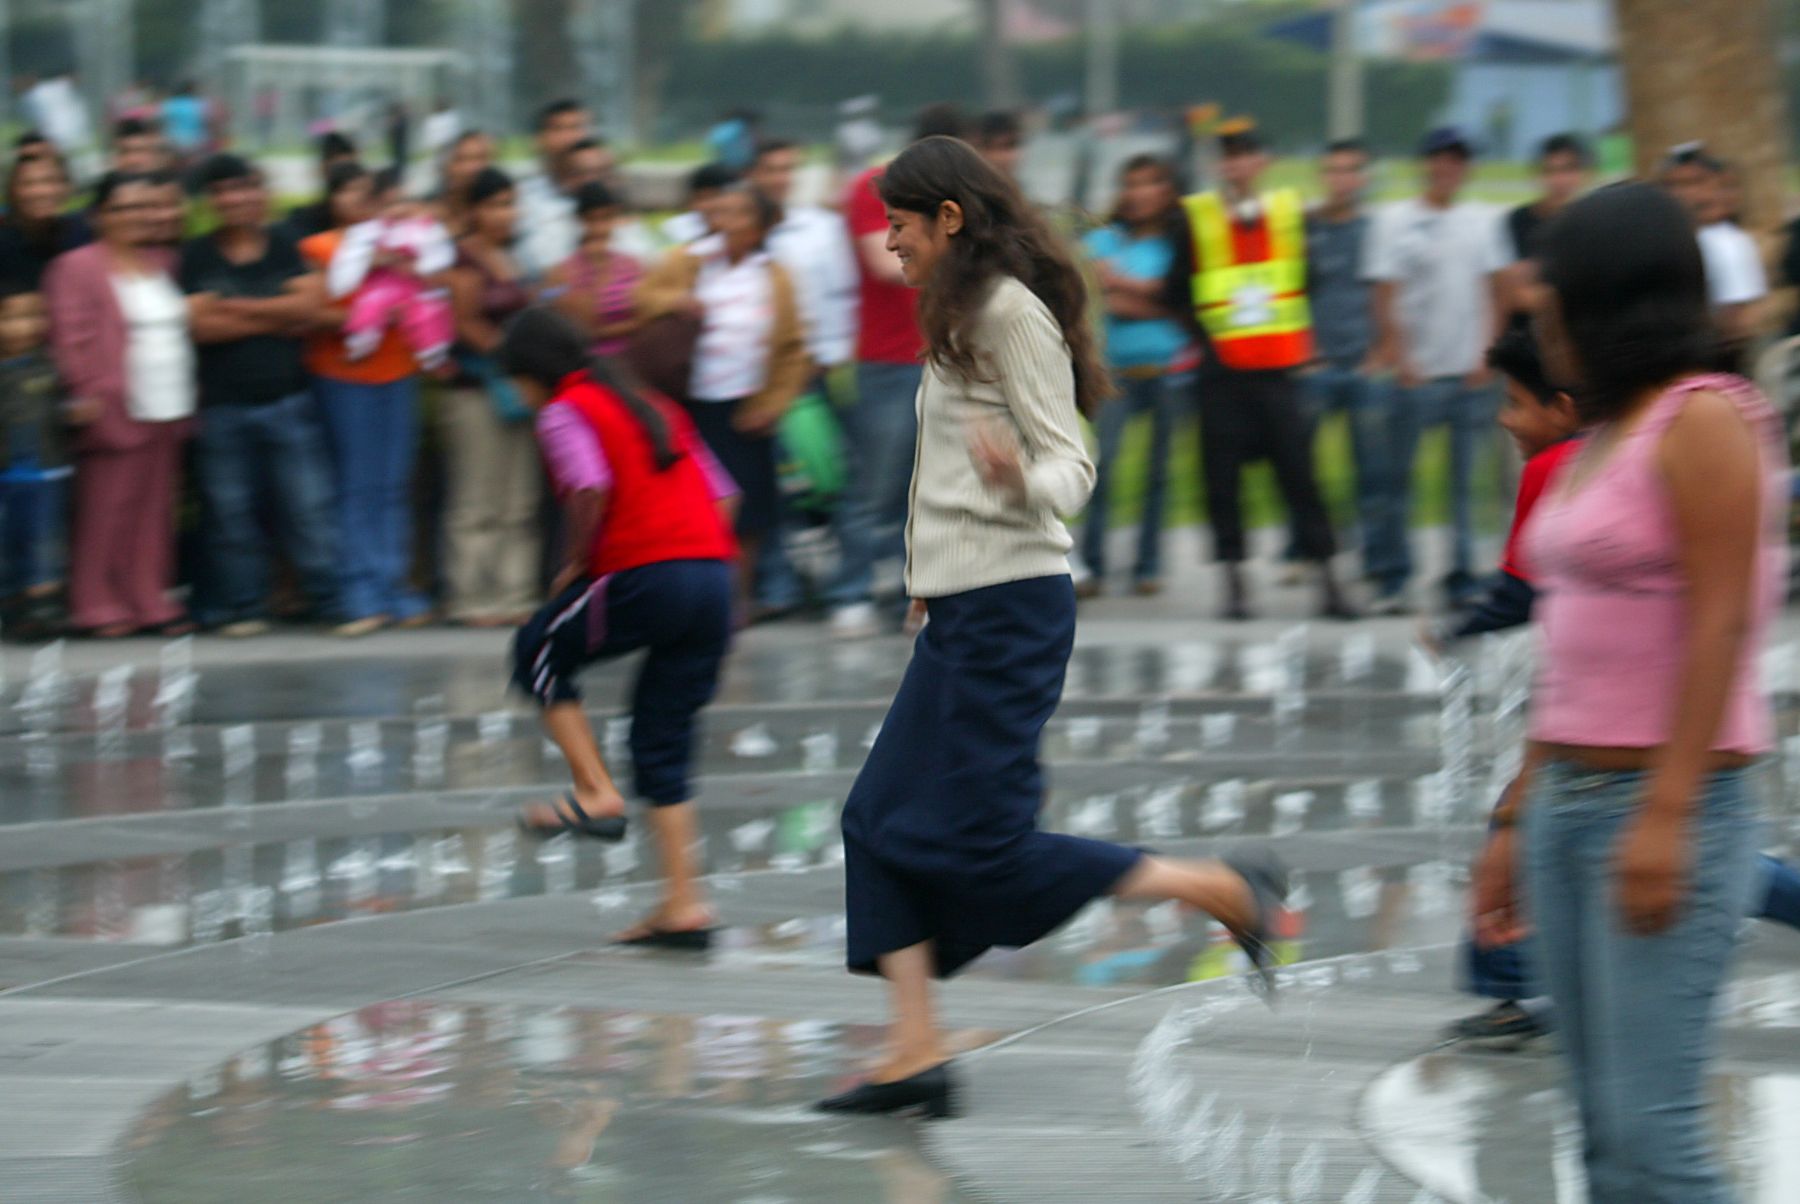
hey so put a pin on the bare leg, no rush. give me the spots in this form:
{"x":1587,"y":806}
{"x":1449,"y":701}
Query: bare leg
{"x":1211,"y":886}
{"x":683,"y":907}
{"x":567,"y":724}
{"x":915,"y":1044}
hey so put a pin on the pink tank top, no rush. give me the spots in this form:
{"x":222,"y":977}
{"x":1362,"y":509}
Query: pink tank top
{"x":1611,"y":611}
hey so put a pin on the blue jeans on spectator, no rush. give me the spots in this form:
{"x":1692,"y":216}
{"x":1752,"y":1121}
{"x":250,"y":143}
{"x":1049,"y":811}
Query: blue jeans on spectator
{"x":30,"y":496}
{"x":373,"y":431}
{"x":883,"y":429}
{"x":1334,"y":387}
{"x":1504,"y":971}
{"x":256,"y":461}
{"x":1635,"y":1013}
{"x":1470,"y":415}
{"x":1160,"y":397}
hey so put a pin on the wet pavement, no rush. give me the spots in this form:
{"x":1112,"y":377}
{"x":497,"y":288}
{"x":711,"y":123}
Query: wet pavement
{"x":348,"y":978}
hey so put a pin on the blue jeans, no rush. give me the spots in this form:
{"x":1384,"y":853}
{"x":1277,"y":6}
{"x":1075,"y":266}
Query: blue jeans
{"x":1160,"y":397}
{"x":1343,"y":387}
{"x":29,"y":497}
{"x":256,"y":461}
{"x":883,"y":429}
{"x":1636,"y":1012}
{"x":1470,"y":415}
{"x":373,"y":431}
{"x":1504,"y":971}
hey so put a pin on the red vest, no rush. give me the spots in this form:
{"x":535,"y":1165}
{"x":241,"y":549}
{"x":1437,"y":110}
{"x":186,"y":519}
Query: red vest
{"x":650,"y":516}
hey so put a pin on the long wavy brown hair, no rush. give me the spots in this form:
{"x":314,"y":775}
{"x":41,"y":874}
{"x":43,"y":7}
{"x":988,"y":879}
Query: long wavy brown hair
{"x":1002,"y":235}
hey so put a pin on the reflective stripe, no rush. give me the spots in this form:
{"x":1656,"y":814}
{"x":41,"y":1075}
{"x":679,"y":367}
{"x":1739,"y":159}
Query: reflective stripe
{"x":1263,"y":300}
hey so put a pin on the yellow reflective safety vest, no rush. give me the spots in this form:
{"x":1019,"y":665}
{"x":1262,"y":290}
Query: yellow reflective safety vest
{"x":1249,"y":285}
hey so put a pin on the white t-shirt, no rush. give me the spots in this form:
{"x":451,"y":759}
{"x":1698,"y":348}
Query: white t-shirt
{"x":1734,"y":269}
{"x":548,"y":231}
{"x":813,"y":245}
{"x":731,"y":357}
{"x":1441,"y":262}
{"x":159,"y":357}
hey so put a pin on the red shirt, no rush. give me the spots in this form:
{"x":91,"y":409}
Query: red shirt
{"x":652,"y":515}
{"x":1533,"y":479}
{"x":888,"y":332}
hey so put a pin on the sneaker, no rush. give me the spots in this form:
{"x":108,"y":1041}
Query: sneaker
{"x":244,"y":629}
{"x":1293,"y":574}
{"x":1146,"y":587}
{"x":857,"y":621}
{"x":1389,"y":605}
{"x":355,"y":629}
{"x":1090,"y":588}
{"x":1505,"y":1025}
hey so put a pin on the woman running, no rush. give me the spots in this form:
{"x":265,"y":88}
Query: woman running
{"x":647,"y":512}
{"x":943,"y":858}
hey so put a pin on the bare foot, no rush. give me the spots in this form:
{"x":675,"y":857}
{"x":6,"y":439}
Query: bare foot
{"x":691,"y":918}
{"x":554,"y":817}
{"x":905,"y":1065}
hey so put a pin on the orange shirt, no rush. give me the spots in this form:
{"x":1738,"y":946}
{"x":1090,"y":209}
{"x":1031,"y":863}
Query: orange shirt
{"x":325,"y":355}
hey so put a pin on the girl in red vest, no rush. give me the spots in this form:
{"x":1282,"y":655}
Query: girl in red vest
{"x":647,"y":516}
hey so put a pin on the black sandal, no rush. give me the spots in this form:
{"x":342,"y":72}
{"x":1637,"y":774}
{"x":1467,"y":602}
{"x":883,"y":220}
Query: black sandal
{"x":610,"y":828}
{"x":684,"y":940}
{"x":1267,"y":878}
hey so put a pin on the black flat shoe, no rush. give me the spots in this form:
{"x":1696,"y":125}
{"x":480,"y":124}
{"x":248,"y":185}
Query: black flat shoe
{"x":932,"y":1093}
{"x":682,"y":940}
{"x":1268,"y":881}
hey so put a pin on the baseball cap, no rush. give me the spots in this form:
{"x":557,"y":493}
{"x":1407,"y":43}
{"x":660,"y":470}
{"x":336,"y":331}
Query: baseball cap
{"x":1447,"y":140}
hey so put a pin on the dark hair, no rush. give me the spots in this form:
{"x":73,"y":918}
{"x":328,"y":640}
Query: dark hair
{"x":710,"y":177}
{"x":1002,"y":235}
{"x":385,"y":181}
{"x":29,"y":138}
{"x":1565,"y":144}
{"x":223,"y":167}
{"x":543,"y":346}
{"x":1147,"y":162}
{"x":770,"y":146}
{"x":16,"y":286}
{"x":341,"y":176}
{"x":132,"y":127}
{"x":488,"y":183}
{"x":594,"y":195}
{"x":1693,"y":154}
{"x":112,"y":181}
{"x":1347,"y":146}
{"x":998,"y":124}
{"x":579,"y":145}
{"x":940,"y":120}
{"x":334,"y":144}
{"x":555,"y":109}
{"x":1515,"y":355}
{"x":1627,"y":273}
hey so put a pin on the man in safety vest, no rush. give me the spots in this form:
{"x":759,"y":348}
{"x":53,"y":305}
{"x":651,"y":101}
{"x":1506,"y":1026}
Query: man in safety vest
{"x":1239,"y":275}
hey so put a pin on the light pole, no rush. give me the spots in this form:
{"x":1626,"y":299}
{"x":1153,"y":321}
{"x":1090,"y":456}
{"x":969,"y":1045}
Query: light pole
{"x":1102,"y":58}
{"x":1344,"y":115}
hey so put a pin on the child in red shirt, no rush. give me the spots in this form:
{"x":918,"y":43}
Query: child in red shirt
{"x":1541,"y":420}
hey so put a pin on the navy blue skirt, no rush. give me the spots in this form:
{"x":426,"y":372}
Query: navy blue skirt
{"x":940,"y":831}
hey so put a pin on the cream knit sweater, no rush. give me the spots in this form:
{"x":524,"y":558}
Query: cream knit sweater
{"x":961,"y":533}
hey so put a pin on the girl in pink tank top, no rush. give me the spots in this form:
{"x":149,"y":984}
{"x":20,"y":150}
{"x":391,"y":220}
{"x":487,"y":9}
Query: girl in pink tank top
{"x":1660,"y":554}
{"x":1613,"y":613}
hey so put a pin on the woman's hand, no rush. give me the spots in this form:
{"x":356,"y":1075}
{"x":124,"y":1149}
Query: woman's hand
{"x":1498,"y":914}
{"x":1652,"y":863}
{"x":81,"y":411}
{"x":995,"y":451}
{"x":915,"y":617}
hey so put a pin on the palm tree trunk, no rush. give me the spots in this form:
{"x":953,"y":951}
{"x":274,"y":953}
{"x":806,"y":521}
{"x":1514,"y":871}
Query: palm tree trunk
{"x":1707,"y":69}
